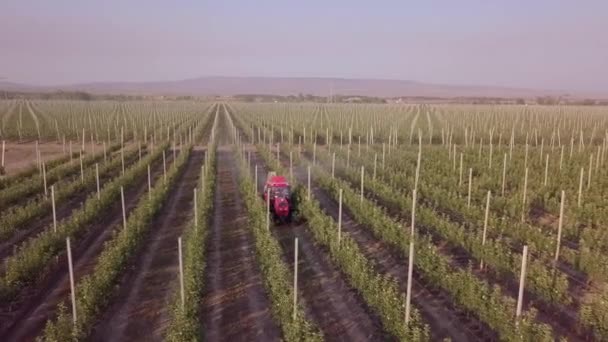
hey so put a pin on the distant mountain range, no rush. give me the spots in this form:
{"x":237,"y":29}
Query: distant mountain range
{"x":218,"y":85}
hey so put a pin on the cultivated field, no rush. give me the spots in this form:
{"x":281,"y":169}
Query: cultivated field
{"x":125,"y":221}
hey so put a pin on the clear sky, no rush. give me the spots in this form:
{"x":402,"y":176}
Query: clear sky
{"x":535,"y":43}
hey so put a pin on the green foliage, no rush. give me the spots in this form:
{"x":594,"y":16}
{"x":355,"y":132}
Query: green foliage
{"x":32,"y":256}
{"x":25,"y":189}
{"x":274,"y":271}
{"x":16,"y":218}
{"x":184,"y":322}
{"x":94,"y":290}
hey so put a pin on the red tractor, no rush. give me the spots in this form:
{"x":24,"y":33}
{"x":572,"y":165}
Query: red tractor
{"x":280,"y":196}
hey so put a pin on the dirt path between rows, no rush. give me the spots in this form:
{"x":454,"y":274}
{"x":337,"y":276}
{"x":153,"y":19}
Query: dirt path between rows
{"x":139,"y":310}
{"x":435,"y":306}
{"x":562,"y":319}
{"x":334,"y":306}
{"x":235,"y":306}
{"x":25,"y":318}
{"x":63,"y":211}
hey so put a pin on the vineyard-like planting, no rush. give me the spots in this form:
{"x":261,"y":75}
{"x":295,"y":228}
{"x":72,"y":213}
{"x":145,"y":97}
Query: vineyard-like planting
{"x":145,"y":221}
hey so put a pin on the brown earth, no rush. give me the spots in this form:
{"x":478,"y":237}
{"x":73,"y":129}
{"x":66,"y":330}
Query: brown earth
{"x":21,"y":156}
{"x":139,"y":309}
{"x":63,"y":211}
{"x":24,"y":318}
{"x":235,"y":304}
{"x":332,"y":304}
{"x":435,"y":305}
{"x":563,"y":320}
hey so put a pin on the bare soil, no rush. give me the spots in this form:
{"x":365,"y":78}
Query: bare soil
{"x":39,"y":194}
{"x":24,"y":318}
{"x":235,"y":305}
{"x":139,"y":309}
{"x":20,"y":156}
{"x":336,"y":308}
{"x":63,"y":211}
{"x":435,"y":305}
{"x":563,"y":320}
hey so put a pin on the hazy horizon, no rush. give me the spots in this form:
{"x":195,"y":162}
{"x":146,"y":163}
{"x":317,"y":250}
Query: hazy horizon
{"x":540,"y":45}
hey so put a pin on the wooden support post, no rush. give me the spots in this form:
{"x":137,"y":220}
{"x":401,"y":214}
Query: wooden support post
{"x":526,"y":153}
{"x":149,"y":184}
{"x":203,"y":181}
{"x":485,"y":225}
{"x":291,"y":165}
{"x":546,"y":170}
{"x":255,"y":181}
{"x":460,"y":172}
{"x":308,"y":193}
{"x":164,"y":167}
{"x":54,"y":208}
{"x":339,"y":216}
{"x":124,"y":210}
{"x":418,"y":161}
{"x":97,"y":180}
{"x":580,"y":187}
{"x":590,"y":169}
{"x":522,"y":279}
{"x":410,"y":274}
{"x":37,"y":156}
{"x":491,"y":151}
{"x":295,"y":280}
{"x":81,"y":168}
{"x":559,"y":225}
{"x":383,"y":156}
{"x":105,"y":152}
{"x":375,"y":161}
{"x":44,"y":180}
{"x":504,"y":174}
{"x":3,"y":149}
{"x":598,"y":160}
{"x":181,"y":272}
{"x":362,"y":181}
{"x":470,"y":184}
{"x":333,"y":165}
{"x":511,"y":143}
{"x":72,"y":288}
{"x":413,"y":221}
{"x":268,"y":209}
{"x":195,"y":204}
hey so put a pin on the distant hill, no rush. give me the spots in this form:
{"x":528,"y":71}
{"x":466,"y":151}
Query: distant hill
{"x":290,"y":86}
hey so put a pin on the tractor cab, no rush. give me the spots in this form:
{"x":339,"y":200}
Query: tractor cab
{"x":280,"y":195}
